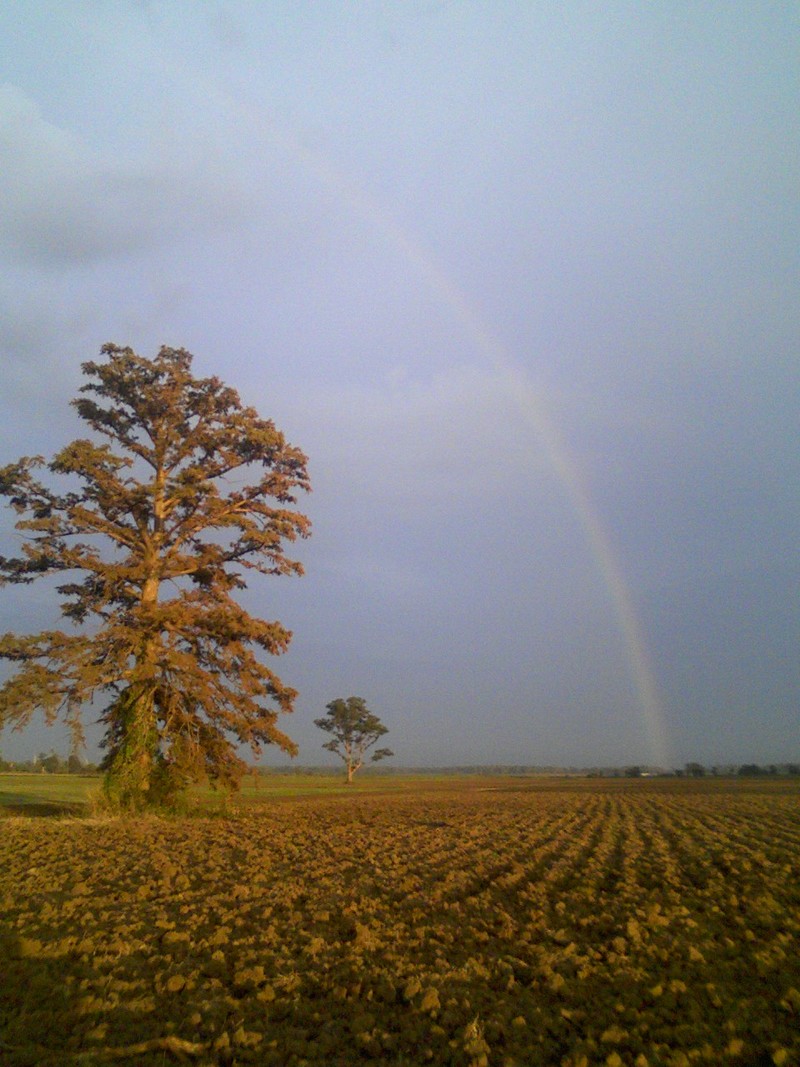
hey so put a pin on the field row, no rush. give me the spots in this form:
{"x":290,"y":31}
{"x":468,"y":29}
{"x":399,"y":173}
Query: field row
{"x":506,"y":926}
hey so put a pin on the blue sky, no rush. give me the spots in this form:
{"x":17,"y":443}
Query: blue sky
{"x":520,"y":279}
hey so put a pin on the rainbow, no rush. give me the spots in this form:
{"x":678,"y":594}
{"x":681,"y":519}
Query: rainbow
{"x":528,"y":400}
{"x":533,"y":411}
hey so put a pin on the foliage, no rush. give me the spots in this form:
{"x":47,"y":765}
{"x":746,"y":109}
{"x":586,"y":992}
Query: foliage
{"x":354,"y":729}
{"x":52,"y":764}
{"x":751,"y":770}
{"x":152,"y":533}
{"x":536,"y":923}
{"x":72,"y":765}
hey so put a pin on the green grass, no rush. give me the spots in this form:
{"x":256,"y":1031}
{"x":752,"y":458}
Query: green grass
{"x":46,"y":794}
{"x":69,"y":794}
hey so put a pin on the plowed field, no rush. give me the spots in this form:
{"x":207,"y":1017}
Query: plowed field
{"x":507,"y":923}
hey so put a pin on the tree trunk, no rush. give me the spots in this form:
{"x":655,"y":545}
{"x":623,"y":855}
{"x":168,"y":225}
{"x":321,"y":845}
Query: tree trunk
{"x":131,"y":773}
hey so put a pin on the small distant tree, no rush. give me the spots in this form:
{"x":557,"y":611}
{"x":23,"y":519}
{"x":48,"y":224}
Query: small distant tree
{"x":354,"y":730}
{"x":75,"y":764}
{"x":750,"y":770}
{"x":695,"y":770}
{"x":50,"y":762}
{"x":633,"y":772}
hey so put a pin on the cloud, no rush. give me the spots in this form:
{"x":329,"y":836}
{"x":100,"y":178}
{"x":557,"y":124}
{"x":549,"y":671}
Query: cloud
{"x":65,"y":203}
{"x":407,"y":444}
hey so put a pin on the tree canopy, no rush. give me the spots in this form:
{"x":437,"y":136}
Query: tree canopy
{"x":157,"y":524}
{"x":354,"y":729}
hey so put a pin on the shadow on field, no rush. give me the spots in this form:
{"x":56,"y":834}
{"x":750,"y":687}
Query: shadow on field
{"x":34,"y":1003}
{"x":37,"y":807}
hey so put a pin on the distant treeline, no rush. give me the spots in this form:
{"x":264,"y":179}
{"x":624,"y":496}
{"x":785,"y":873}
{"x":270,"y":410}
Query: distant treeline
{"x":52,"y":763}
{"x":385,"y":771}
{"x":698,"y":770}
{"x":690,"y":770}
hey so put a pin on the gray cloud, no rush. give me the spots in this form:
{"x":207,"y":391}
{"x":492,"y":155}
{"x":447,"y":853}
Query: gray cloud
{"x":67,"y":204}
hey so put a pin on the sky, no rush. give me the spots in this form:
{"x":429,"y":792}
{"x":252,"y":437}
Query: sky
{"x":521,"y":280}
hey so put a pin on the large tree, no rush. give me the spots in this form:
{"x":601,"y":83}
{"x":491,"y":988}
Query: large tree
{"x":157,"y":523}
{"x":354,"y":730}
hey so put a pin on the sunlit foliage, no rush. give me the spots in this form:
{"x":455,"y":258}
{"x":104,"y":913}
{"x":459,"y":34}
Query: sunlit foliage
{"x":152,"y":531}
